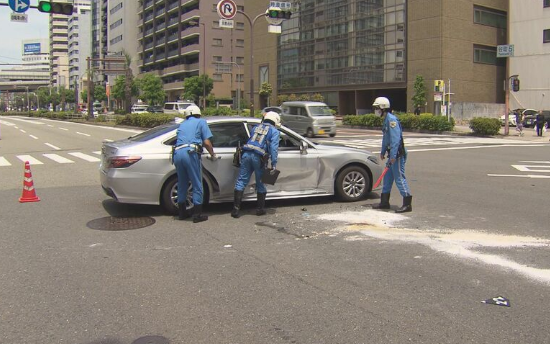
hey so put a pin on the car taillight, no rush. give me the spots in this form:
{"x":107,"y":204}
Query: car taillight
{"x":122,"y":161}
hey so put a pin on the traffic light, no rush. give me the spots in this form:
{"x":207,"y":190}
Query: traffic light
{"x":515,"y":84}
{"x":55,"y":7}
{"x":277,"y":13}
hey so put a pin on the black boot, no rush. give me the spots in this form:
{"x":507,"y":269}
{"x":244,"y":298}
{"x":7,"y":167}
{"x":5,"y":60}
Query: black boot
{"x":384,"y":202}
{"x":183,"y":213}
{"x":260,"y":210}
{"x":237,"y":199}
{"x":406,"y":205}
{"x":197,"y":214}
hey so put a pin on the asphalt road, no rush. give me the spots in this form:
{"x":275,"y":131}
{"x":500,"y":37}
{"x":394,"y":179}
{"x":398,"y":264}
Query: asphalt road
{"x":311,"y":271}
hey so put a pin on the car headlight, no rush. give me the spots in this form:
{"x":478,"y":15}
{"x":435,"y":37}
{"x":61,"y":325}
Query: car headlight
{"x":373,"y":159}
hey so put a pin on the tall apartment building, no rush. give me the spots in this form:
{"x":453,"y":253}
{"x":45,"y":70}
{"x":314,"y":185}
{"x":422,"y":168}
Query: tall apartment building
{"x":79,"y":44}
{"x":59,"y":47}
{"x":180,"y":39}
{"x":352,"y":51}
{"x":530,"y":35}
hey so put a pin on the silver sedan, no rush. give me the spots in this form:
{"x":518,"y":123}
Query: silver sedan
{"x":139,"y":170}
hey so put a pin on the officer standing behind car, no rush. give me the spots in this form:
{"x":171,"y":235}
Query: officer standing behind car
{"x":192,"y":134}
{"x":540,"y":123}
{"x":263,"y":143}
{"x":394,"y":146}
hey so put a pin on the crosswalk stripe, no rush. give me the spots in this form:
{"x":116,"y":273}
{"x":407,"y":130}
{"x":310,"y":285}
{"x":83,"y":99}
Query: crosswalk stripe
{"x":58,"y":158}
{"x":97,"y":152}
{"x":4,"y":162}
{"x":30,"y":159}
{"x":84,"y":156}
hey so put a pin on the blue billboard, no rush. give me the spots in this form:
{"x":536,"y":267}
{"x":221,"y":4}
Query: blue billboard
{"x":31,"y":48}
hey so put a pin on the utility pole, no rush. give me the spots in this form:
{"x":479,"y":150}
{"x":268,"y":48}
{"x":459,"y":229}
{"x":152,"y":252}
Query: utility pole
{"x":90,"y":100}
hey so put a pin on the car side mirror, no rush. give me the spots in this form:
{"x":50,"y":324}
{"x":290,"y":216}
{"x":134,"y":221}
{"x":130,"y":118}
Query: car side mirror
{"x":303,"y":147}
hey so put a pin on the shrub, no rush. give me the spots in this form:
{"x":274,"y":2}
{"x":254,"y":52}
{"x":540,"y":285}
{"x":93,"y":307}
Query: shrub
{"x":408,"y":121}
{"x":144,"y":120}
{"x":485,"y":126}
{"x":220,"y":111}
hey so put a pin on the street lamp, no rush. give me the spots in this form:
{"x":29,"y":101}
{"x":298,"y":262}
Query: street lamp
{"x":507,"y":102}
{"x":251,"y":22}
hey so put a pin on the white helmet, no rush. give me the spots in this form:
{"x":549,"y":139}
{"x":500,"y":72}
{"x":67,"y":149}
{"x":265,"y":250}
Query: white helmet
{"x":273,"y":117}
{"x":192,"y":110}
{"x":382,"y":103}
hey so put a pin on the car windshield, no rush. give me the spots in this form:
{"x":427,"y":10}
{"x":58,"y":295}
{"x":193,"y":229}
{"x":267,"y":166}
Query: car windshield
{"x":320,"y":111}
{"x":152,"y":133}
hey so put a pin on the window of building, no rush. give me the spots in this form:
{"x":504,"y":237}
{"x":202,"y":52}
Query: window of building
{"x":116,"y":8}
{"x":240,"y":43}
{"x":264,"y":74}
{"x":239,"y":60}
{"x":217,"y":77}
{"x":116,"y":40}
{"x":217,"y":58}
{"x":217,"y":42}
{"x":490,"y":17}
{"x":486,"y":55}
{"x":546,"y":36}
{"x":240,"y":26}
{"x":546,"y":3}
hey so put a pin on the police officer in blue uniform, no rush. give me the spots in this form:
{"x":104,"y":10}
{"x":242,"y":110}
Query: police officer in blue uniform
{"x":263,"y":144}
{"x":192,"y":135}
{"x":394,"y":146}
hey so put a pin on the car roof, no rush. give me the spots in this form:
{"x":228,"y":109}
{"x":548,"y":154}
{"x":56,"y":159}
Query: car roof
{"x":304,"y":102}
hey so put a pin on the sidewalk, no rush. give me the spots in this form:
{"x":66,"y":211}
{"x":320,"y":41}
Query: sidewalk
{"x":529,"y":134}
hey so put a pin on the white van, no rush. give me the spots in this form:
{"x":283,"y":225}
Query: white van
{"x":309,"y":118}
{"x":139,"y":108}
{"x":176,"y":108}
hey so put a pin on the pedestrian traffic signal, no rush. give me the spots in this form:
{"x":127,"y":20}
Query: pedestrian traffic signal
{"x":515,"y":84}
{"x":55,"y":7}
{"x":277,"y":13}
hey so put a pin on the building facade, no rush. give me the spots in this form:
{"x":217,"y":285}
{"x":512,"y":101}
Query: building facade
{"x":530,"y":35}
{"x":59,"y":50}
{"x":351,"y":51}
{"x":34,"y":71}
{"x":180,"y":39}
{"x":79,"y":47}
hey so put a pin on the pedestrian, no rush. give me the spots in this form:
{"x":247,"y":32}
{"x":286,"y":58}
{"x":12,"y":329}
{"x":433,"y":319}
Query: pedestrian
{"x":262,"y":145}
{"x":394,"y":147}
{"x":519,"y":122}
{"x":192,"y":135}
{"x":540,"y":123}
{"x":417,"y":111}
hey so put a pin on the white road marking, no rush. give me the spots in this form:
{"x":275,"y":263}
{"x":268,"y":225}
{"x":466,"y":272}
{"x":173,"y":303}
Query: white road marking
{"x":97,"y":152}
{"x":52,"y":146}
{"x":536,"y":162}
{"x":4,"y":162}
{"x":460,"y":243}
{"x":58,"y":158}
{"x":63,"y":128}
{"x":84,"y":156}
{"x":107,"y":140}
{"x":49,"y":125}
{"x":34,"y":137}
{"x":534,"y":176}
{"x":79,"y":133}
{"x":30,"y":159}
{"x":23,"y":131}
{"x":528,"y":168}
{"x":9,"y":124}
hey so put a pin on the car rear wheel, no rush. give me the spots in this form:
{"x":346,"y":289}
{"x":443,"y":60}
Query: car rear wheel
{"x":352,"y":184}
{"x":332,"y":135}
{"x":309,"y":132}
{"x":170,"y":196}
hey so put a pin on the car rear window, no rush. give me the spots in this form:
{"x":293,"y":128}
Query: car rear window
{"x":152,"y":133}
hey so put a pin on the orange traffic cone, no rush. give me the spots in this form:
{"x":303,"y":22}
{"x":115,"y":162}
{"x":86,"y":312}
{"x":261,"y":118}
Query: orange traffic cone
{"x":29,"y":194}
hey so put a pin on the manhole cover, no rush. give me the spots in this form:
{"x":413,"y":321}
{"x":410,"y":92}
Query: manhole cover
{"x":120,"y":223}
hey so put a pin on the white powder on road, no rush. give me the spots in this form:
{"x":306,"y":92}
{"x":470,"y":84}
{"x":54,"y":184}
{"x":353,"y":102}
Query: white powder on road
{"x":458,"y":243}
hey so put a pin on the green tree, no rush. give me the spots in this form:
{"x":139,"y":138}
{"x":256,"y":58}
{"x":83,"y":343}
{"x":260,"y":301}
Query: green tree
{"x":44,"y":96}
{"x":99,"y":93}
{"x":84,"y":95}
{"x":151,"y":89}
{"x":419,"y":96}
{"x":193,"y":87}
{"x":118,"y":91}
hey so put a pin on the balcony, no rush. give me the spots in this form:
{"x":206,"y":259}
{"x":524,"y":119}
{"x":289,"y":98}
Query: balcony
{"x":173,"y":37}
{"x":190,"y":49}
{"x":178,"y":85}
{"x":161,"y":26}
{"x":173,"y":53}
{"x":149,"y":17}
{"x":149,"y":32}
{"x":190,"y":15}
{"x":160,"y":56}
{"x":173,"y":21}
{"x":149,"y":45}
{"x":172,"y":6}
{"x":147,"y":4}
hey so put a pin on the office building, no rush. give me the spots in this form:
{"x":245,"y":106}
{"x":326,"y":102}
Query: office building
{"x":79,"y":45}
{"x":59,"y":47}
{"x":352,"y":51}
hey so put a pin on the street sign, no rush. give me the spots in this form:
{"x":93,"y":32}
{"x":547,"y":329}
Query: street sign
{"x":438,"y":97}
{"x":227,"y":9}
{"x":285,"y":6}
{"x":19,"y":6}
{"x":506,"y":50}
{"x":227,"y":24}
{"x":18,"y":17}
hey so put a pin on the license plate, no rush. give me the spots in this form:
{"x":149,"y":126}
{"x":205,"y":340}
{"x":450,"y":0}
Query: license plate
{"x":321,"y":132}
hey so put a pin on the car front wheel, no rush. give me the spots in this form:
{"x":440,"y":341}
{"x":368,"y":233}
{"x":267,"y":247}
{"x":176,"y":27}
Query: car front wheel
{"x":352,"y":184}
{"x":309,"y":133}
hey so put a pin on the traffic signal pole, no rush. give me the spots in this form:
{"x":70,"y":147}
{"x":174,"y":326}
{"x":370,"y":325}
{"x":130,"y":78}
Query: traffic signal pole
{"x":251,"y":22}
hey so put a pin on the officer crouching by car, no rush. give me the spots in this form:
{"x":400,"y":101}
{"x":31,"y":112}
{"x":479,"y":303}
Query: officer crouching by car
{"x":394,"y":146}
{"x":263,"y":144}
{"x":192,"y":135}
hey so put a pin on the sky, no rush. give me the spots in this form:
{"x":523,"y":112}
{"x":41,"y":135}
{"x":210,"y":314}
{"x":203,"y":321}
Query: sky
{"x":13,"y":33}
